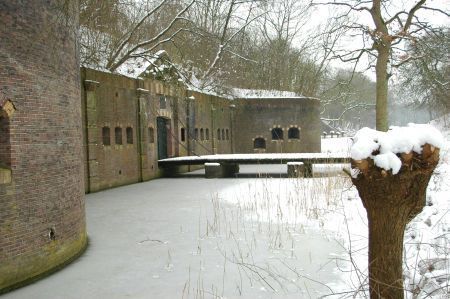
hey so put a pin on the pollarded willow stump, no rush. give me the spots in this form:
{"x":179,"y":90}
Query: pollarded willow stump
{"x":391,"y":201}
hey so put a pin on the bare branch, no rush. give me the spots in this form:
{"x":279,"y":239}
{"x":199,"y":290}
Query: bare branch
{"x":436,"y":10}
{"x":115,"y":65}
{"x":348,"y":5}
{"x":132,"y":32}
{"x":411,"y":15}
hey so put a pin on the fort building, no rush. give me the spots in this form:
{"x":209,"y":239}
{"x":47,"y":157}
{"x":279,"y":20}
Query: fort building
{"x":65,"y":132}
{"x":131,"y":123}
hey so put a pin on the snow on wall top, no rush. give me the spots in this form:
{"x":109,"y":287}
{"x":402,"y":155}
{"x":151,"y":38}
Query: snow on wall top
{"x":261,"y":93}
{"x":396,"y":140}
{"x":133,"y":67}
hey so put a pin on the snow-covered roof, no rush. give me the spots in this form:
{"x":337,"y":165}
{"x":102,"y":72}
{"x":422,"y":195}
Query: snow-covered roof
{"x":250,"y":158}
{"x":242,"y":93}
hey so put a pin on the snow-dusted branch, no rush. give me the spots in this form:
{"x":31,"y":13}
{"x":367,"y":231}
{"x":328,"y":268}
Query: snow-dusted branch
{"x":348,"y":109}
{"x":224,"y":42}
{"x":113,"y":65}
{"x":128,"y":37}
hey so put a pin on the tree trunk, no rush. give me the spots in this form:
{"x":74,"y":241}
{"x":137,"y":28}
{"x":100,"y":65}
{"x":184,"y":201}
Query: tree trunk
{"x":382,"y":79}
{"x":391,"y":201}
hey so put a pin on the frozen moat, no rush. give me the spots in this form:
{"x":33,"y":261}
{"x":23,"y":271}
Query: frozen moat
{"x":192,"y":237}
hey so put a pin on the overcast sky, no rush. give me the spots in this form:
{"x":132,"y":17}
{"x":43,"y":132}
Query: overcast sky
{"x":323,"y":13}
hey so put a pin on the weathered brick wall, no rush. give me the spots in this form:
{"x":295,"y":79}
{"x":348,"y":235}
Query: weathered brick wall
{"x":114,"y":101}
{"x":222,"y":122}
{"x":42,"y":218}
{"x":211,"y":115}
{"x":111,"y":102}
{"x":171,"y":112}
{"x":197,"y":124}
{"x":257,"y":117}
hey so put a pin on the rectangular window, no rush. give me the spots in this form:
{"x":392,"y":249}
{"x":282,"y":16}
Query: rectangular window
{"x":106,"y":136}
{"x":207,"y":134}
{"x":277,"y":134}
{"x":183,"y":134}
{"x":5,"y":147}
{"x":151,"y":135}
{"x":129,"y":135}
{"x":227,"y":134}
{"x":294,"y":133}
{"x":118,"y":135}
{"x":218,"y":134}
{"x":162,"y":102}
{"x":196,"y":134}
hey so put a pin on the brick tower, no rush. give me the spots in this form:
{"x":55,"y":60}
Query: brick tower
{"x":42,"y":217}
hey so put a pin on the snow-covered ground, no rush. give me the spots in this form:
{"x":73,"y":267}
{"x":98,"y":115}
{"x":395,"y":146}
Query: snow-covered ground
{"x":332,"y":206}
{"x":266,"y":237}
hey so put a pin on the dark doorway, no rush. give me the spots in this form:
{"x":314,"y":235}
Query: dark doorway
{"x":163,"y":136}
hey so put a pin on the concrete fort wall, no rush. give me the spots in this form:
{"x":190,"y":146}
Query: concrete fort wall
{"x":277,"y":125}
{"x":42,"y":215}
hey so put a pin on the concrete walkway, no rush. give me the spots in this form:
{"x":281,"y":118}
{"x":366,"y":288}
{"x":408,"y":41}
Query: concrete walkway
{"x":155,"y":240}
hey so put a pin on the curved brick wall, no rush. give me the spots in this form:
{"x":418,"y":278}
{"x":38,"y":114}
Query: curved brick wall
{"x":42,"y":218}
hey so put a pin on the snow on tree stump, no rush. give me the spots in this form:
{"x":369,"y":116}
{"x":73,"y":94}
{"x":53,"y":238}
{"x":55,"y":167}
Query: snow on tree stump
{"x":391,"y":171}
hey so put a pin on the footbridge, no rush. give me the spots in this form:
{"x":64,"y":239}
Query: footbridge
{"x":226,"y":165}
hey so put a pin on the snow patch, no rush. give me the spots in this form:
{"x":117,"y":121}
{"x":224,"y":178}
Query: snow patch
{"x":382,"y":147}
{"x":261,"y":93}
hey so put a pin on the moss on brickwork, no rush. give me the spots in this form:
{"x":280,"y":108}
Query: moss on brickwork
{"x":22,"y":270}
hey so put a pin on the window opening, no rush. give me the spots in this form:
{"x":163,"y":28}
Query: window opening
{"x":259,"y":143}
{"x":207,"y":134}
{"x":151,"y":135}
{"x":202,"y":134}
{"x":183,"y":134}
{"x":129,"y":135}
{"x":7,"y":109}
{"x":118,"y":135}
{"x":5,"y":147}
{"x":106,"y":136}
{"x":294,"y":133}
{"x":277,"y":134}
{"x":218,"y":134}
{"x":162,"y":102}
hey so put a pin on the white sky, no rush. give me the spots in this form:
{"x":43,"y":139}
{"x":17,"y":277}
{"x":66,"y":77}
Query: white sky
{"x":324,"y":13}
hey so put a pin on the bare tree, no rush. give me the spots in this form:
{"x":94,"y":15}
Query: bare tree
{"x":233,"y":25}
{"x":115,"y":31}
{"x":348,"y":100}
{"x":425,"y":82}
{"x":383,"y":42}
